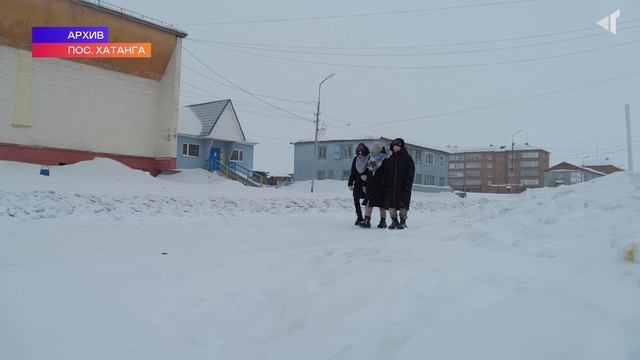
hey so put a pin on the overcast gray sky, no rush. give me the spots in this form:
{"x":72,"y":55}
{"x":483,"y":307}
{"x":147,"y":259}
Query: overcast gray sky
{"x":437,"y":67}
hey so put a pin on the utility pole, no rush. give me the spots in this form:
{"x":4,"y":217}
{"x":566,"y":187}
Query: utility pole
{"x":315,"y":141}
{"x":513,"y":158}
{"x":627,"y":110}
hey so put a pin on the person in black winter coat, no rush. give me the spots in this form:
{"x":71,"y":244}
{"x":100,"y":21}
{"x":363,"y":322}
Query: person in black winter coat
{"x":398,"y":180}
{"x":375,"y":189}
{"x":358,"y":178}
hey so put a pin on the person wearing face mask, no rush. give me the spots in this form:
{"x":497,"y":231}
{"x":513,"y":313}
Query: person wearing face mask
{"x":375,"y":188}
{"x":358,"y":178}
{"x":399,"y":171}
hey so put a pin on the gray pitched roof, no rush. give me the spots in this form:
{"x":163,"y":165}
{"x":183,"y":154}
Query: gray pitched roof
{"x":208,"y":114}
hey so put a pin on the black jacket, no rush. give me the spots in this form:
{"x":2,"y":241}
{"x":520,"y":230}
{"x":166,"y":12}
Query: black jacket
{"x":355,"y":180}
{"x":398,"y":179}
{"x":375,"y":187}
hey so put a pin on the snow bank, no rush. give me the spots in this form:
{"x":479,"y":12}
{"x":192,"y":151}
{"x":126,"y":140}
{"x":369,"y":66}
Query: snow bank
{"x":284,"y":274}
{"x":598,"y":214}
{"x":103,"y":187}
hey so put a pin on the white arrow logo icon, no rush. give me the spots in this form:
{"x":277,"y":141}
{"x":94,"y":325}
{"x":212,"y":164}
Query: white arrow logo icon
{"x":609,"y":22}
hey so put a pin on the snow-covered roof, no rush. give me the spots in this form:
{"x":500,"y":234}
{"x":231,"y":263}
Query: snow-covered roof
{"x":209,"y":113}
{"x":215,"y":119}
{"x":493,"y":148}
{"x":598,"y":162}
{"x":565,"y":166}
{"x":188,"y":122}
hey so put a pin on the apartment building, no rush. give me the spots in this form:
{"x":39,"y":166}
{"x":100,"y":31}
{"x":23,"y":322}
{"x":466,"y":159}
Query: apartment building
{"x":497,"y":169}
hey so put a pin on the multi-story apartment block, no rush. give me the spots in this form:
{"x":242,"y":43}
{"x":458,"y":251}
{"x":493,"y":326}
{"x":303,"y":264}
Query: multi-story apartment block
{"x":498,"y":169}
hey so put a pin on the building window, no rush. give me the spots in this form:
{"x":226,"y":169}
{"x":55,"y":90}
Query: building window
{"x":418,"y":179}
{"x":441,"y":181}
{"x":529,"y":182}
{"x":473,"y":182}
{"x":529,"y":164}
{"x":456,"y":165}
{"x":456,"y":182}
{"x":322,"y":152}
{"x":430,"y":159}
{"x":489,"y":165}
{"x":320,"y":175}
{"x":456,"y":173}
{"x":441,"y":157}
{"x":456,"y":157}
{"x":329,"y":174}
{"x":237,"y":155}
{"x":346,"y":151}
{"x":346,"y":174}
{"x":474,"y":165}
{"x":529,"y":172}
{"x":473,"y":156}
{"x":418,"y":157}
{"x":429,"y":180}
{"x":490,"y":173}
{"x":474,"y":173}
{"x":489,"y":157}
{"x":192,"y":150}
{"x":529,"y":155}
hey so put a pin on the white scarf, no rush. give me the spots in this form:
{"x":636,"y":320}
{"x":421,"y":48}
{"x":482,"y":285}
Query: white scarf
{"x":376,"y":161}
{"x":361,"y":163}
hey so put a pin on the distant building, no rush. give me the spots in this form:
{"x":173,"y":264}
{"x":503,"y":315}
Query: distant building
{"x":601,"y":165}
{"x":280,"y":180}
{"x":334,"y":160}
{"x":565,"y":173}
{"x":211,"y":137}
{"x":497,"y":169}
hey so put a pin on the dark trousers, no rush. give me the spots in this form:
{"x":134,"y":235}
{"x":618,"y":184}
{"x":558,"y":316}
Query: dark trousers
{"x":356,"y":203}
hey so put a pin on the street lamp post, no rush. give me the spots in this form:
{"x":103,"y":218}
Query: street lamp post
{"x":513,"y":168}
{"x":315,"y":142}
{"x":582,"y":163}
{"x":582,"y":174}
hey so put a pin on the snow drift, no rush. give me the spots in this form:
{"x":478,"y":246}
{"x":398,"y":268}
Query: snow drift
{"x":284,"y":274}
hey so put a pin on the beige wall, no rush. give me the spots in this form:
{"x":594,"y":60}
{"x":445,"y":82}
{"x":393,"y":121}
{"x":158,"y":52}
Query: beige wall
{"x":227,"y":127}
{"x":84,"y":107}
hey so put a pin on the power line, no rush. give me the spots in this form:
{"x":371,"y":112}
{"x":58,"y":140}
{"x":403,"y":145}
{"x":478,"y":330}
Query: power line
{"x":346,"y":16}
{"x":453,"y":52}
{"x":242,"y":110}
{"x":422,"y":67}
{"x":510,"y":101}
{"x":273,"y":138}
{"x":525,"y":37}
{"x":207,"y":94}
{"x":605,"y":150}
{"x":254,"y":93}
{"x":242,"y":89}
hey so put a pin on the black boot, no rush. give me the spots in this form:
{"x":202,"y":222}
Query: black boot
{"x":366,"y":223}
{"x":394,"y":223}
{"x":359,"y":221}
{"x":403,"y":224}
{"x":383,"y":223}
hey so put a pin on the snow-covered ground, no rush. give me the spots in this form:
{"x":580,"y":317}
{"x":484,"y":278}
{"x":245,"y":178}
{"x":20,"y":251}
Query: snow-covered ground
{"x":283,"y":274}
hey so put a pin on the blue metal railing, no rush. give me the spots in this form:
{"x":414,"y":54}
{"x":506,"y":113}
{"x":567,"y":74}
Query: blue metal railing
{"x":235,"y":171}
{"x":250,"y":174}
